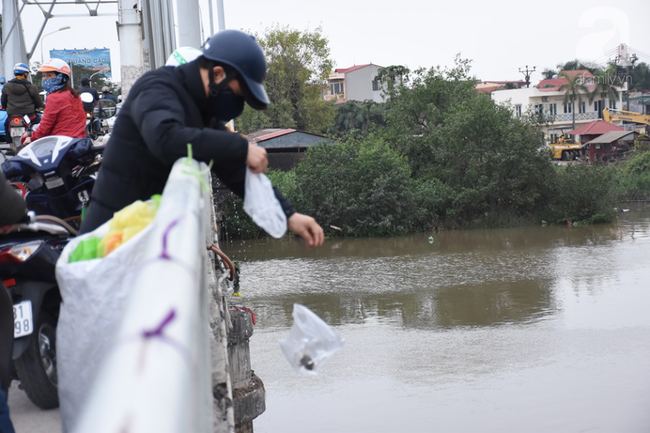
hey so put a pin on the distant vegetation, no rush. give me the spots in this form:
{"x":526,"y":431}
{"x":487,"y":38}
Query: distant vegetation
{"x":438,"y":155}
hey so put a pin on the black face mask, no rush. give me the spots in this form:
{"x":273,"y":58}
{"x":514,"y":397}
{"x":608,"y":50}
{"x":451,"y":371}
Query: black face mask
{"x":226,"y":105}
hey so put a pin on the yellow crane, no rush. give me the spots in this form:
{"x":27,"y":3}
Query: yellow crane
{"x":629,"y":116}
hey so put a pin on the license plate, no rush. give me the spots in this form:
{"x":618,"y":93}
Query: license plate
{"x":17,"y":132}
{"x":23,"y":321}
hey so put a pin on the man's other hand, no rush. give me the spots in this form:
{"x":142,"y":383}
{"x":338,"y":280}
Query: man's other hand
{"x":307,"y":228}
{"x":256,"y":159}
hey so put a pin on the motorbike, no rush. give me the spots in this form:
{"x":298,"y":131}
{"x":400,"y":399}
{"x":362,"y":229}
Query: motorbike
{"x":58,"y":174}
{"x":28,"y":257}
{"x":97,"y":120}
{"x":19,"y":125}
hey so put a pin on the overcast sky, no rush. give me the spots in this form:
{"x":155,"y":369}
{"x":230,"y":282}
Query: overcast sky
{"x":500,"y":37}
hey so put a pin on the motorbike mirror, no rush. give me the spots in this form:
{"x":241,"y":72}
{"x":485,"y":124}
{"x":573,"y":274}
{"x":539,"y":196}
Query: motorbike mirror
{"x":104,"y":109}
{"x":87,"y":97}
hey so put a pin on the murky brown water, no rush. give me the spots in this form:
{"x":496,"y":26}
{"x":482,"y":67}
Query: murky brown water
{"x":542,"y":329}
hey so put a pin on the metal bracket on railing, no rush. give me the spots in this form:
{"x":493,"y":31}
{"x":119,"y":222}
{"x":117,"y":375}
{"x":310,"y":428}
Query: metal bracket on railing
{"x":225,"y":258}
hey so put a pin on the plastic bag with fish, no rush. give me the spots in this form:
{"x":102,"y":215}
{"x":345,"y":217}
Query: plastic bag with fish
{"x":311,"y":341}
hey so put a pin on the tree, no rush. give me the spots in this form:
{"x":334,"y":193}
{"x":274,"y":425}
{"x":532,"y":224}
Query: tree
{"x":298,"y":68}
{"x":575,"y":65}
{"x":573,"y":91}
{"x":604,"y":89}
{"x":548,"y":73}
{"x":640,"y":77}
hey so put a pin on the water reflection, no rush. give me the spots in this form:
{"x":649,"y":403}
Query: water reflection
{"x":465,"y":278}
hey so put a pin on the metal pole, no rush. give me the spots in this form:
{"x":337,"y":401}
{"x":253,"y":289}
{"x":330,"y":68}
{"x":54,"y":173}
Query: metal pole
{"x":130,"y":37}
{"x":211,"y":17}
{"x":222,"y":17}
{"x":48,"y":34}
{"x":189,"y":23}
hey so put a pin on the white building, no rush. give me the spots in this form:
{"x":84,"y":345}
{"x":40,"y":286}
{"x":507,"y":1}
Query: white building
{"x":548,"y":98}
{"x":357,"y":83}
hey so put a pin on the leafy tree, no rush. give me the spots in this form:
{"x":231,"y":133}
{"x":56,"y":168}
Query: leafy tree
{"x":365,"y":188}
{"x":353,"y":117}
{"x":574,"y":89}
{"x":298,"y":68}
{"x":640,"y":77}
{"x":391,"y":77}
{"x":603,"y":90}
{"x":575,"y":65}
{"x":548,"y":73}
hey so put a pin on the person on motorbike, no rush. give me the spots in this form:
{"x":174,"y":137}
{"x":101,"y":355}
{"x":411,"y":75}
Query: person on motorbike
{"x":86,"y":87}
{"x":170,"y":107}
{"x":106,"y":94}
{"x":3,"y":80}
{"x":20,"y":97}
{"x":64,"y":113}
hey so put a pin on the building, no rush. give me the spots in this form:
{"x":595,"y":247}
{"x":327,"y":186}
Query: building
{"x":285,"y":147}
{"x":592,"y":130}
{"x":493,"y":86}
{"x":548,"y":98}
{"x":357,"y":83}
{"x":611,"y":145}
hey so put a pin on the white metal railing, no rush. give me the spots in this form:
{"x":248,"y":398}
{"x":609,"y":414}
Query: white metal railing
{"x":157,"y":377}
{"x":591,"y":115}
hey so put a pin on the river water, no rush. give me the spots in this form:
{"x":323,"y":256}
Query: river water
{"x":538,"y":329}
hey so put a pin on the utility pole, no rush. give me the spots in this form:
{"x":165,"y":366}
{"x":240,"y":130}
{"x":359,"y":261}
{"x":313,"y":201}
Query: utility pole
{"x":527,"y":73}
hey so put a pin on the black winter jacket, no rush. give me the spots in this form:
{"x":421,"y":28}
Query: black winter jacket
{"x":20,"y":97}
{"x":165,"y":110}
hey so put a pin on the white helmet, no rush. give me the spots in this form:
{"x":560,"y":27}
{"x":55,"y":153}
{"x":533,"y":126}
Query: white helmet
{"x":183,"y":55}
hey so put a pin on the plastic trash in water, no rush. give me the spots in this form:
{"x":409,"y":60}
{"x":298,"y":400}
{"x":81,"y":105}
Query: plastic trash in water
{"x":430,"y":239}
{"x":311,"y":341}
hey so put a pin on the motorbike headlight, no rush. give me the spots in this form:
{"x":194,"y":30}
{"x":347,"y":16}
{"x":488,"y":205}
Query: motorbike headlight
{"x":24,"y":251}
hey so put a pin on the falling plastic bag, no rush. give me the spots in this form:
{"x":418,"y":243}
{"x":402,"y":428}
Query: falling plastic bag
{"x":262,"y":206}
{"x":311,"y":341}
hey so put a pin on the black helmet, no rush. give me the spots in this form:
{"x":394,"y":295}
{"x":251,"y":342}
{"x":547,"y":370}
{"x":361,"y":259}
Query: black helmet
{"x":241,"y":52}
{"x":85,"y":81}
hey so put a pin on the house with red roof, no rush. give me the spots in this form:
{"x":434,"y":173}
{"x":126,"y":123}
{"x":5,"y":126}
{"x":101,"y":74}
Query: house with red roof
{"x":285,"y":148}
{"x":356,"y":83}
{"x":547,"y":98}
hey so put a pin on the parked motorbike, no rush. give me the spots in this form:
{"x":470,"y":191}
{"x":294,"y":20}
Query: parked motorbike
{"x":28,"y":257}
{"x":58,"y":174}
{"x":97,"y":119}
{"x":18,"y":125}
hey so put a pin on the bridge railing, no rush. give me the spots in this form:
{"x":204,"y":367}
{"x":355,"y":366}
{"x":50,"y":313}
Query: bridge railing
{"x":157,"y":377}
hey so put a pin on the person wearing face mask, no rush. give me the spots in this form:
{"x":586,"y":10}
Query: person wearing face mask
{"x":172,"y":106}
{"x":64,"y":113}
{"x":20,"y":97}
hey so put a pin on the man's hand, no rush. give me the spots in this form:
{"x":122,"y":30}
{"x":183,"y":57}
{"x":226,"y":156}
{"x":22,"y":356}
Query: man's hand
{"x":25,"y":139}
{"x":256,"y":159}
{"x":307,"y":228}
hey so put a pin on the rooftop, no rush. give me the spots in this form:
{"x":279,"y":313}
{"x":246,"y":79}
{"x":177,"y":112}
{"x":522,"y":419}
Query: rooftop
{"x":596,"y":127}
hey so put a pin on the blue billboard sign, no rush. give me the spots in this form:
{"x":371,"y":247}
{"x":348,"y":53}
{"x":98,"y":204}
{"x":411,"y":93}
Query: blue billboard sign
{"x":95,"y":59}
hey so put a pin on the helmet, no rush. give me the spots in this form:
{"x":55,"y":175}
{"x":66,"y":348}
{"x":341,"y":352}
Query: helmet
{"x":56,"y":65}
{"x":105,"y":89}
{"x":241,"y":52}
{"x":3,"y":80}
{"x":183,"y":55}
{"x":20,"y":68}
{"x":85,"y":81}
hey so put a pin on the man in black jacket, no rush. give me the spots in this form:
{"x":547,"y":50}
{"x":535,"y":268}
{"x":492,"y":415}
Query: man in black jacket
{"x":170,"y":107}
{"x":20,"y":97}
{"x":86,"y":87}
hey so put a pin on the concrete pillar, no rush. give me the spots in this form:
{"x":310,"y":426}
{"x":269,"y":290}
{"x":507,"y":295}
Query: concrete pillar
{"x":248,"y":390}
{"x":129,"y":29}
{"x":189,"y":23}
